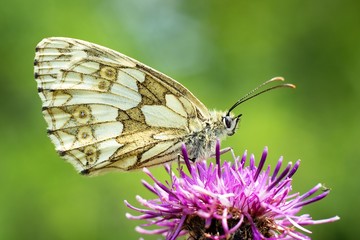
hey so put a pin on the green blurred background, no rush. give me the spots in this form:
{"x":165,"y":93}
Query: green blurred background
{"x":219,"y":50}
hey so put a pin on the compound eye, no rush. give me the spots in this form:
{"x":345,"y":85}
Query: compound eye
{"x":227,"y":120}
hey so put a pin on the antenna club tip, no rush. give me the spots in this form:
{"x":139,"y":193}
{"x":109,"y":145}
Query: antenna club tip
{"x":291,"y":85}
{"x":277,"y":79}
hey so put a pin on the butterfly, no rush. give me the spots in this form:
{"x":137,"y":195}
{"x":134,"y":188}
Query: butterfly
{"x":106,"y":111}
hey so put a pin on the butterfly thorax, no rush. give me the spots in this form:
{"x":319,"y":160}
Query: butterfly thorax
{"x":201,"y":143}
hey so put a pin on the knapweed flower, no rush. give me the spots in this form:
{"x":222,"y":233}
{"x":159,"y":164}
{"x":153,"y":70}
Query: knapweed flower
{"x":228,"y":201}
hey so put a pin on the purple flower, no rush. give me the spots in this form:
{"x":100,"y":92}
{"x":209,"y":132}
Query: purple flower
{"x":228,"y":201}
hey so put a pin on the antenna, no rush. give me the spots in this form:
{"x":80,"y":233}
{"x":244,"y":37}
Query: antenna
{"x":257,"y":91}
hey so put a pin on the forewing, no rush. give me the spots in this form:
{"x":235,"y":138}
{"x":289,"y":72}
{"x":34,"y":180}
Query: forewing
{"x":106,"y":111}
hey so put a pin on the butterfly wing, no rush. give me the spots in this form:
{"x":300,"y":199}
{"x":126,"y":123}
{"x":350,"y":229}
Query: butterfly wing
{"x":106,"y":111}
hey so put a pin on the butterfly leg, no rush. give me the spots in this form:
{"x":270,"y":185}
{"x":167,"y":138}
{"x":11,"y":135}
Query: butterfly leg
{"x":179,"y":161}
{"x":222,"y":151}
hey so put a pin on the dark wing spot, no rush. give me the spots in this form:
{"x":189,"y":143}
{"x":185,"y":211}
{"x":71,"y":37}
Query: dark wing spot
{"x":49,"y":131}
{"x":61,"y":153}
{"x":85,"y":172}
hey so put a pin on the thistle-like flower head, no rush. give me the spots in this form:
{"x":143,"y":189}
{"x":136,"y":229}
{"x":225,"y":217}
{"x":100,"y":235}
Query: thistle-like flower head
{"x":228,"y":201}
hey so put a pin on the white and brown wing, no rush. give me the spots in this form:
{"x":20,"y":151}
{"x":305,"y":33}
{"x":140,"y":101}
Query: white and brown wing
{"x":106,"y":111}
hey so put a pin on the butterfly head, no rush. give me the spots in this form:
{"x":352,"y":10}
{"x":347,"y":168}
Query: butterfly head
{"x":230,"y":123}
